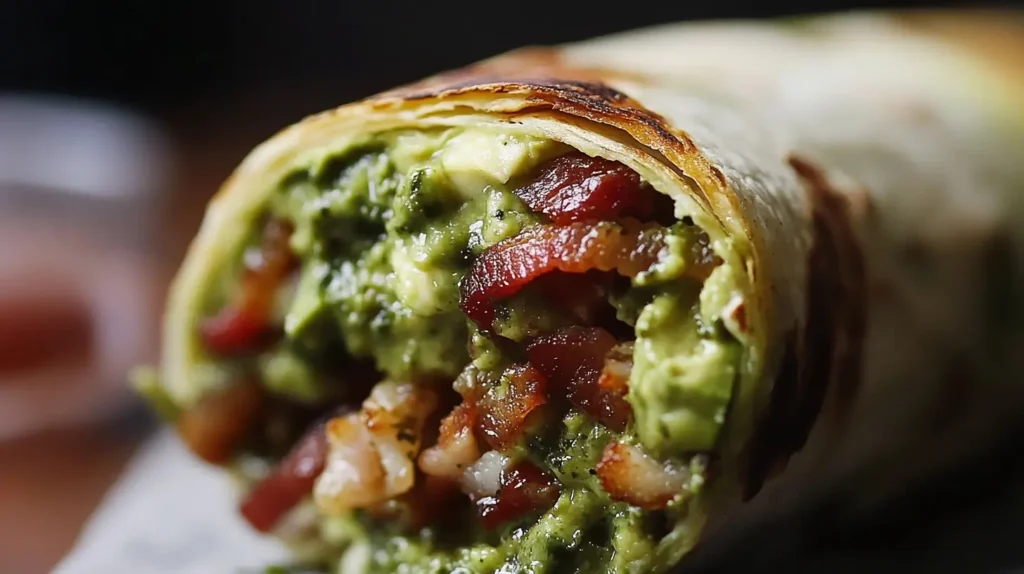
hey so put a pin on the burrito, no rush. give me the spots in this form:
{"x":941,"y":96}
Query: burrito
{"x":567,"y":308}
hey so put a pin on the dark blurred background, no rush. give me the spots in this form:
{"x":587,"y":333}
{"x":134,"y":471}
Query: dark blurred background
{"x":197,"y":64}
{"x":169,"y":58}
{"x":118,"y":120}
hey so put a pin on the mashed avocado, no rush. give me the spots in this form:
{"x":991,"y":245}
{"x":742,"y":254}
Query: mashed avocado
{"x":684,"y":364}
{"x":385,"y":230}
{"x":384,"y":250}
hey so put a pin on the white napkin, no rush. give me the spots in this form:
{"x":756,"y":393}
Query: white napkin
{"x":169,"y":514}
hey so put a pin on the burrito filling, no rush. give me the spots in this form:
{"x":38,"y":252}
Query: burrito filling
{"x":469,"y":350}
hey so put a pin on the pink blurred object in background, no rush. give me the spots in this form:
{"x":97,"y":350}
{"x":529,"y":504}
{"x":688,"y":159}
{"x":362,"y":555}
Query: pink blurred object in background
{"x":81,"y":189}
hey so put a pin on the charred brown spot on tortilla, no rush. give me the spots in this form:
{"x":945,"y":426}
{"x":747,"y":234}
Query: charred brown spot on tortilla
{"x":826,"y":358}
{"x":839,"y":294}
{"x":625,"y":113}
{"x":587,"y":97}
{"x":579,"y":91}
{"x":597,"y":91}
{"x":717,"y":172}
{"x":575,"y":90}
{"x":768,"y":450}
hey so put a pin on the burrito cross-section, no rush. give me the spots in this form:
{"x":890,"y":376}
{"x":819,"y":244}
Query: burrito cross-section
{"x":560,"y":310}
{"x":478,"y":331}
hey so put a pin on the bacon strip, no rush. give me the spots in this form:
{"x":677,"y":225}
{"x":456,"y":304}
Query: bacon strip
{"x":430,"y":502}
{"x":456,"y":447}
{"x":629,"y":475}
{"x":504,"y":417}
{"x":576,"y":187}
{"x":371,"y":455}
{"x":581,"y":297}
{"x":573,"y":359}
{"x":289,"y":482}
{"x":244,"y":324}
{"x":524,"y":489}
{"x":628,"y":248}
{"x":618,"y":365}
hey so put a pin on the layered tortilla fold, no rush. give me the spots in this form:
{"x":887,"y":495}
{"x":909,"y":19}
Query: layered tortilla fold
{"x":843,"y":198}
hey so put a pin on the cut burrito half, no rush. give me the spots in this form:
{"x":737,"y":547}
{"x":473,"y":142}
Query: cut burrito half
{"x":564,"y":309}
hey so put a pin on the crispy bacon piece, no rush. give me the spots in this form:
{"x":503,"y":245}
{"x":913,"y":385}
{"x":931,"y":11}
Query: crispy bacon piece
{"x":430,"y":502}
{"x":456,"y":447}
{"x":629,"y":475}
{"x":577,"y":187}
{"x":371,"y":455}
{"x":628,"y":248}
{"x":581,"y":297}
{"x":214,"y":426}
{"x":397,"y":412}
{"x":573,"y":360}
{"x":524,"y":489}
{"x":289,"y":482}
{"x":495,"y":417}
{"x":618,"y":365}
{"x":503,"y":417}
{"x":244,"y":323}
{"x":355,"y":473}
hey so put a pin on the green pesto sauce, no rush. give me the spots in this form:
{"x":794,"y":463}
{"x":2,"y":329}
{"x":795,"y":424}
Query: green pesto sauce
{"x":385,"y":231}
{"x":583,"y":532}
{"x":384,"y":249}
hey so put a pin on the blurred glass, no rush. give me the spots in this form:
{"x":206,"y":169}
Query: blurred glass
{"x":82,"y":186}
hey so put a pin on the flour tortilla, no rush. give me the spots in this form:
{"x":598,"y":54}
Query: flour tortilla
{"x":863,"y":170}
